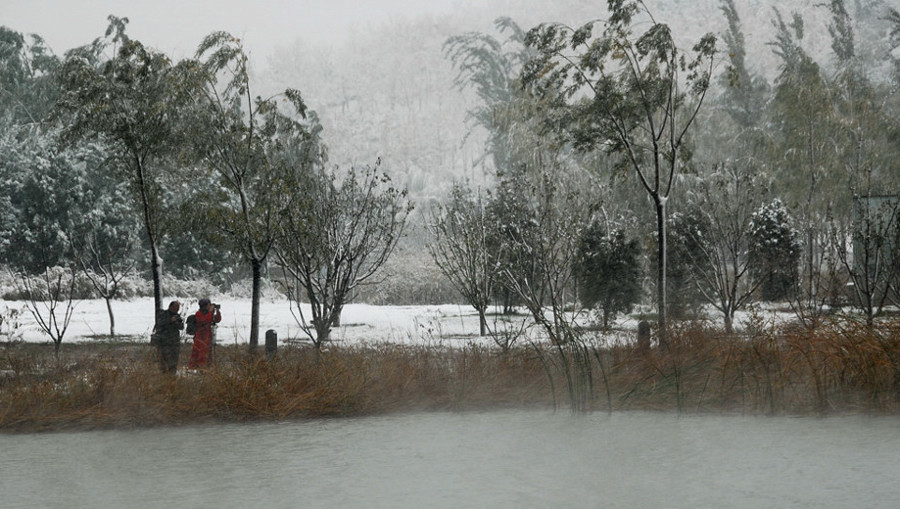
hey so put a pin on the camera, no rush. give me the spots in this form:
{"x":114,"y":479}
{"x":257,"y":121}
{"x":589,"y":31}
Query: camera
{"x":217,"y":306}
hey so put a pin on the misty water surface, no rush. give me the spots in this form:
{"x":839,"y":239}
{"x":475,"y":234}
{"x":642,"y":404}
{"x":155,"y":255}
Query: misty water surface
{"x":492,"y":459}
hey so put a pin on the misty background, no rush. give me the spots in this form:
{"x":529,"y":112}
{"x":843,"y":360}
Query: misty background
{"x":379,"y":79}
{"x":375,"y":72}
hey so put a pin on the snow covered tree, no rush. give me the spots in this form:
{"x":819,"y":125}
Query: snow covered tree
{"x":39,"y":190}
{"x":682,"y":279}
{"x":775,"y":250}
{"x":106,"y":240}
{"x":633,"y":95}
{"x":45,"y":188}
{"x":27,"y":74}
{"x":540,"y":261}
{"x":65,"y":210}
{"x":511,"y":214}
{"x":723,"y":203}
{"x":541,"y":249}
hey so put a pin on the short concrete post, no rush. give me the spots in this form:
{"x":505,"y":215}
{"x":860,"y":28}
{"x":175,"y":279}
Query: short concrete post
{"x":271,"y":342}
{"x":643,"y":335}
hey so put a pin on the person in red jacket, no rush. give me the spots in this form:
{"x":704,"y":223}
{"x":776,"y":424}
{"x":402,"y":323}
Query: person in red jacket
{"x":206,"y":317}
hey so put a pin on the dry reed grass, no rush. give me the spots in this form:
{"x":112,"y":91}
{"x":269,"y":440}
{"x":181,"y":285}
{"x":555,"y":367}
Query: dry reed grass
{"x":841,"y":367}
{"x":121,"y":387}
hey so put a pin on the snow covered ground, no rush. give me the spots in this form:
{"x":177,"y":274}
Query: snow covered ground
{"x":440,"y":325}
{"x":446,"y":325}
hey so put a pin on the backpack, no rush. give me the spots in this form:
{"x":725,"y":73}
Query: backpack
{"x":190,"y":326}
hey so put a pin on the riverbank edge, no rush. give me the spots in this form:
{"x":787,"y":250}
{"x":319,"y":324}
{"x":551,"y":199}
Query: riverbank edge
{"x":117,"y":384}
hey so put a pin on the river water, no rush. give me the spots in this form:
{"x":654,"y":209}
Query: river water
{"x":505,"y":459}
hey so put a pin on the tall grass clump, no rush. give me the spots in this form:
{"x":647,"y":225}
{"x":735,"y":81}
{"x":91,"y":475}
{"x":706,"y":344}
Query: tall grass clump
{"x":841,"y":366}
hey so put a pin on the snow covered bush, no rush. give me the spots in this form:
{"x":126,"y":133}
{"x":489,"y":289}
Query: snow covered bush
{"x":188,"y":290}
{"x":774,"y":251}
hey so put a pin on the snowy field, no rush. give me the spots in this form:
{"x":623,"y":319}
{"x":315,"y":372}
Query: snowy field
{"x":440,"y":325}
{"x":447,"y":325}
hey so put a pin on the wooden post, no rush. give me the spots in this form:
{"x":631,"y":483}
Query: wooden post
{"x":271,"y":343}
{"x":643,"y":335}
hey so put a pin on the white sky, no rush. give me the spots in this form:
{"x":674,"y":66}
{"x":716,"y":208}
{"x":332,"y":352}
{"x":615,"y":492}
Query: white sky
{"x":176,"y":27}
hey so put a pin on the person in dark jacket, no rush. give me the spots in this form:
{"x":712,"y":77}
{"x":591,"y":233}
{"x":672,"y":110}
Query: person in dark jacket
{"x":168,"y":336}
{"x":207,"y":316}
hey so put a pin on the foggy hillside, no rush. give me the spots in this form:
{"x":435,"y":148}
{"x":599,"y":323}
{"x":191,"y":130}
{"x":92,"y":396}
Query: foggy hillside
{"x":389,"y":92}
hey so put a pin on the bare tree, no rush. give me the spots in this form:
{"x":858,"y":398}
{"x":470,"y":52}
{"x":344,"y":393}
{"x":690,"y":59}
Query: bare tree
{"x":50,"y":300}
{"x":338,"y":232}
{"x":104,"y":252}
{"x":868,"y":259}
{"x":461,"y":248}
{"x":723,"y":207}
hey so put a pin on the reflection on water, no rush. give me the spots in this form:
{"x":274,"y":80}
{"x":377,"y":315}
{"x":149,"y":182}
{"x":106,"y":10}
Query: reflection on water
{"x":491,"y":459}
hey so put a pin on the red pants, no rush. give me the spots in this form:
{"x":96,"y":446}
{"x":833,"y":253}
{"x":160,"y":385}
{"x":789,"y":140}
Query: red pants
{"x":200,"y":353}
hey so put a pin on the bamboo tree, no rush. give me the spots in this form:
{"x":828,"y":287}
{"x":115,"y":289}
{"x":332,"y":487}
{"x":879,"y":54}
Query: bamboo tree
{"x":27,"y":73}
{"x":803,"y":120}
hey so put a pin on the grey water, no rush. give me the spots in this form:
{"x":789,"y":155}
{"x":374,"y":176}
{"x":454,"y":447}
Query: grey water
{"x":495,"y":459}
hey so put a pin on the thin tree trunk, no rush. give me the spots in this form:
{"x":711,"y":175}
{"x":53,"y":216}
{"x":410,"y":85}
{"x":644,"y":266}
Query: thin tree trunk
{"x":156,"y":270}
{"x":482,"y":322}
{"x":661,"y":269}
{"x":254,"y":303}
{"x":112,"y":319}
{"x":155,"y":263}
